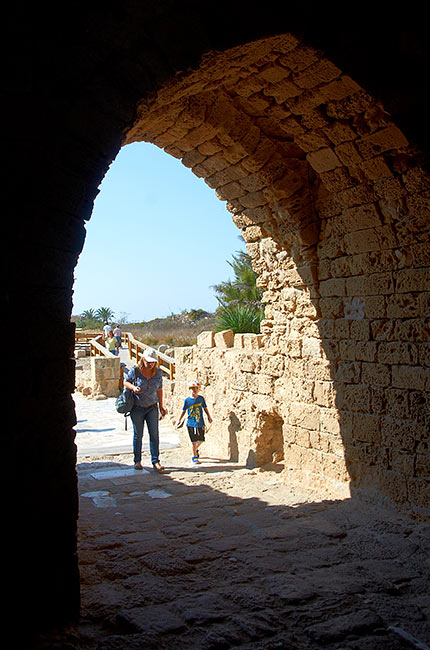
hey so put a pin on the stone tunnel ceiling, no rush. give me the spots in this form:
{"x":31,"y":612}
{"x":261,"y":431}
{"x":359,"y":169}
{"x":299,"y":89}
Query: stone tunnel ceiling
{"x":333,"y":205}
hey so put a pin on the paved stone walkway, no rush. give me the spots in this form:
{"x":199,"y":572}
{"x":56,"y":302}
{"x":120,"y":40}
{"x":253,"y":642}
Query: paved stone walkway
{"x":100,"y":430}
{"x":217,"y":556}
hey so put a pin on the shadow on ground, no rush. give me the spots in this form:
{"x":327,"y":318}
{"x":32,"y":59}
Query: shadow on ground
{"x":221,"y":556}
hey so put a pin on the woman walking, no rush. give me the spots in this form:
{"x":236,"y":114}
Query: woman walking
{"x":146,"y":381}
{"x":112,"y":343}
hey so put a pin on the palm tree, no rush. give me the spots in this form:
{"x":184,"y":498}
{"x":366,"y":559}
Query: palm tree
{"x":242,"y":290}
{"x":89,"y":314}
{"x":105,"y":314}
{"x":241,"y":308}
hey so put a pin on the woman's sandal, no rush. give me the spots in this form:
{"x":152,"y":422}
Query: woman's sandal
{"x":158,"y":467}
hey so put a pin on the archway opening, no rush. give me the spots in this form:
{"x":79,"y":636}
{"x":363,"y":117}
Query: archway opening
{"x":158,"y":239}
{"x":328,"y":195}
{"x":363,"y":291}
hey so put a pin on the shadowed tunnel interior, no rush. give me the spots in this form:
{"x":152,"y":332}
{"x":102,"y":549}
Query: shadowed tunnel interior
{"x":317,"y":138}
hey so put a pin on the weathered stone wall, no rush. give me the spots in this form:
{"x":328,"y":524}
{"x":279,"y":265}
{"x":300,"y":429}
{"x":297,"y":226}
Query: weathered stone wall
{"x":334,"y":207}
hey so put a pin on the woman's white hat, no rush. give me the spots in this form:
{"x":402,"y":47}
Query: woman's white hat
{"x":150,"y":355}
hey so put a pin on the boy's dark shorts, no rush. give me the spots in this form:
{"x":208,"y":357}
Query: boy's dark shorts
{"x":196,"y":434}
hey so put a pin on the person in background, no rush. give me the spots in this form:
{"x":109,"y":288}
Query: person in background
{"x":117,"y":335}
{"x":112,"y":343}
{"x":146,"y":381}
{"x":195,"y":405}
{"x":106,"y":329}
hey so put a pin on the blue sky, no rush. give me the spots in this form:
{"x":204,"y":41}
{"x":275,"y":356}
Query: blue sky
{"x":157,"y":240}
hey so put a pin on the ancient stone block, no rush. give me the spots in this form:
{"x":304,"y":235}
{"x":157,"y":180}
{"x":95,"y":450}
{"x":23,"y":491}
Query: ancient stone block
{"x":224,"y":339}
{"x":341,"y":328}
{"x":375,"y":306}
{"x":282,"y":90}
{"x":412,"y":377}
{"x":424,"y":354}
{"x":354,"y":397}
{"x":339,"y":88}
{"x":306,"y":416}
{"x":367,"y":428}
{"x":272,"y":365}
{"x":320,"y":72}
{"x":206,"y":340}
{"x":102,"y":367}
{"x":312,"y":141}
{"x":311,"y":347}
{"x":252,"y":234}
{"x":360,"y":330}
{"x":362,"y":241}
{"x":110,"y":387}
{"x":375,"y":168}
{"x":252,"y":341}
{"x":397,"y":353}
{"x":263,"y":384}
{"x":229,"y":191}
{"x":376,"y":374}
{"x":330,"y":421}
{"x":340,"y":132}
{"x":323,"y":160}
{"x":384,"y":140}
{"x":246,"y":362}
{"x":361,"y":217}
{"x":348,"y":372}
{"x":324,"y":393}
{"x":400,"y":433}
{"x":365,"y":350}
{"x":408,"y":280}
{"x":333,"y":287}
{"x":348,"y":154}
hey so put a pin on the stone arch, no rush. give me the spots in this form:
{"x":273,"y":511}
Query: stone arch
{"x":71,"y":96}
{"x":327,"y":193}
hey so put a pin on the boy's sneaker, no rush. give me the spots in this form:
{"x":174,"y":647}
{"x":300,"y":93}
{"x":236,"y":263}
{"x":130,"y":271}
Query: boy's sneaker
{"x":195,"y":459}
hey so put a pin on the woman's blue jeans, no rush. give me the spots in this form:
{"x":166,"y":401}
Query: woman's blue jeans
{"x":139,"y":415}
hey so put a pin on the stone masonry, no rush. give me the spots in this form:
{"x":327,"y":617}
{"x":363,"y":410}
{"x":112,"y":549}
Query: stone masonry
{"x":333,"y":205}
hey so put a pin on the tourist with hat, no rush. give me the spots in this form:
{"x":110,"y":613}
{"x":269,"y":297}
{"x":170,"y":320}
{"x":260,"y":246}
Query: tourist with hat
{"x":146,"y":382}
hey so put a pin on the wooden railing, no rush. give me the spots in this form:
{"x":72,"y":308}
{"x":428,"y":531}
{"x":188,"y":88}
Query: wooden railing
{"x":83,"y":339}
{"x":98,"y":349}
{"x":136,"y":349}
{"x":94,"y":342}
{"x":85,"y":336}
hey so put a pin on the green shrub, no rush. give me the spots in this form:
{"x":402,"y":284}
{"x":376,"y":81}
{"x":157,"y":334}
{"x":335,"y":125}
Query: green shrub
{"x":88,"y":324}
{"x":241,"y":319}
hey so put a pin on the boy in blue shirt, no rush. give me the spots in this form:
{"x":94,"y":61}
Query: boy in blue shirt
{"x":195,"y":405}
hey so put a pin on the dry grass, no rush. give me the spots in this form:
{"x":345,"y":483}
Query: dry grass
{"x":178,"y":331}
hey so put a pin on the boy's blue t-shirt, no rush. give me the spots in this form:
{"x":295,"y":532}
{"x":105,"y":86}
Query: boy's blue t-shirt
{"x":195,"y":406}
